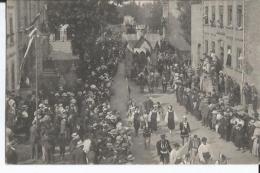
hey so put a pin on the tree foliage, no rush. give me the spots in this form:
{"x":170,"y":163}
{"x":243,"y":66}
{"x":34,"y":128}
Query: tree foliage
{"x":185,"y":18}
{"x":148,"y":14}
{"x":86,"y":18}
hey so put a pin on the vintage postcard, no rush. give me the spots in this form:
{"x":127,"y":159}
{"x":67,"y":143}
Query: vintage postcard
{"x":123,"y":82}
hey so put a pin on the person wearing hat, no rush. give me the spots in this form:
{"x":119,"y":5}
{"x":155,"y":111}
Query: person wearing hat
{"x":193,"y":147}
{"x":170,"y":118}
{"x":163,"y":149}
{"x":204,"y":151}
{"x":185,"y":130}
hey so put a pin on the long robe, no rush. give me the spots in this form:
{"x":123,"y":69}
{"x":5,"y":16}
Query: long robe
{"x":154,"y":117}
{"x":170,"y":119}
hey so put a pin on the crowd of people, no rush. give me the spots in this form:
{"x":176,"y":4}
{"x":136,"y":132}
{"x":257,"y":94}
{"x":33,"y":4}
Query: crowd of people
{"x":77,"y":124}
{"x":217,"y":106}
{"x":79,"y":120}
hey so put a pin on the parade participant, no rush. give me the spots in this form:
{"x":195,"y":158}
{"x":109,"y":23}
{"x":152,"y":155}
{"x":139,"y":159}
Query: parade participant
{"x":154,"y":117}
{"x":144,"y":119}
{"x":141,"y":82}
{"x":193,"y":148}
{"x":204,"y":109}
{"x":204,"y":151}
{"x":163,"y":149}
{"x":136,"y":120}
{"x":164,"y":84}
{"x":185,"y":130}
{"x":148,"y":104}
{"x":170,"y":118}
{"x":174,"y":155}
{"x":147,"y":136}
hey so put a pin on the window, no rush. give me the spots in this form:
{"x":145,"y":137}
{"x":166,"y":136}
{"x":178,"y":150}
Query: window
{"x":229,"y":56}
{"x":206,"y":46}
{"x":221,"y":16}
{"x":229,"y":22}
{"x":213,"y":15}
{"x":213,"y":46}
{"x":11,"y":31}
{"x":206,"y":16}
{"x":239,"y":16}
{"x":239,"y":54}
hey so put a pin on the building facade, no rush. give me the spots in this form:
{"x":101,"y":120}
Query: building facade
{"x":11,"y":56}
{"x":227,"y":29}
{"x":20,"y":14}
{"x":196,"y":32}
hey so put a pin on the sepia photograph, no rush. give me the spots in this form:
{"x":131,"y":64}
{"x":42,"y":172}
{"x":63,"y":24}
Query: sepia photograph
{"x":132,"y":82}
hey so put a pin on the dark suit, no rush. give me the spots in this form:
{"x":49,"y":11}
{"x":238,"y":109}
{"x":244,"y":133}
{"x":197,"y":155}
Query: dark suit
{"x":163,"y":150}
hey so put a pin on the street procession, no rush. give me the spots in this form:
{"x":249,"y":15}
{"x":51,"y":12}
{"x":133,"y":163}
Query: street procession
{"x":125,"y":82}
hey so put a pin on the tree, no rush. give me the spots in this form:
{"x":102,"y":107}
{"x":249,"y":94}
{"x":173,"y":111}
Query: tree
{"x":184,"y":7}
{"x":154,"y":20}
{"x":86,"y":18}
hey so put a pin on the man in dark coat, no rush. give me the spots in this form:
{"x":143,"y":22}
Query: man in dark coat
{"x":164,"y":84}
{"x":163,"y":149}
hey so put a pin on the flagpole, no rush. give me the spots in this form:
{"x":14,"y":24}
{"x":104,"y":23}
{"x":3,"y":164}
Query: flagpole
{"x":36,"y":78}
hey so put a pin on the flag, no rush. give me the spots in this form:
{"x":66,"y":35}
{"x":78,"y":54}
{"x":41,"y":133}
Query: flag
{"x":26,"y":52}
{"x":30,"y":28}
{"x":32,"y":32}
{"x":36,"y":18}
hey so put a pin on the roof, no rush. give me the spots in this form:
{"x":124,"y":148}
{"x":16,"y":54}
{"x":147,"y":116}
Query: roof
{"x":141,"y":42}
{"x":62,"y":51}
{"x":132,"y":43}
{"x":128,"y":37}
{"x":153,"y":38}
